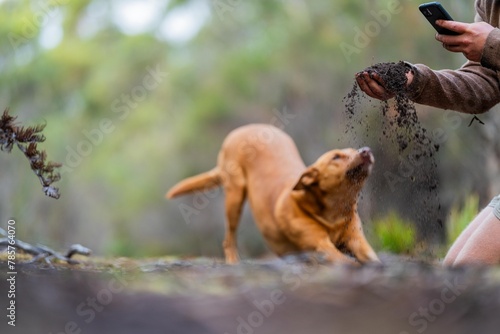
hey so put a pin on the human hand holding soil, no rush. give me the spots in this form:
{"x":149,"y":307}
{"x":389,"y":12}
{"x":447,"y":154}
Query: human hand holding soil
{"x":371,"y":82}
{"x":470,"y":41}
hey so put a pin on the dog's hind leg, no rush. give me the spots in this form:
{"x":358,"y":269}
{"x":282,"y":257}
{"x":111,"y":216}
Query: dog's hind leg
{"x":235,"y":192}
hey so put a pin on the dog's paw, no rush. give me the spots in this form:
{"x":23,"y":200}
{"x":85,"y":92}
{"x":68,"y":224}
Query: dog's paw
{"x":232,"y":259}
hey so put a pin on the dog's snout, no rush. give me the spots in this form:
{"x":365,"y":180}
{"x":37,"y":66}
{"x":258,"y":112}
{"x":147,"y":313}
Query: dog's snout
{"x":366,"y":154}
{"x":365,"y":150}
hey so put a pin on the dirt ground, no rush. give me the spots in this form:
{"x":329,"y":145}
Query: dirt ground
{"x":203,"y":295}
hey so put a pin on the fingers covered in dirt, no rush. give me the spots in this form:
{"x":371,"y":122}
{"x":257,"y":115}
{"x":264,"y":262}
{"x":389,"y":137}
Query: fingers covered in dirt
{"x":374,"y":84}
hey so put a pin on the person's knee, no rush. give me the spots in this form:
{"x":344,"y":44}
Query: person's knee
{"x":449,"y":259}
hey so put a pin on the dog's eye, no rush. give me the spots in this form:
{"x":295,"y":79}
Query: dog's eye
{"x":336,"y":157}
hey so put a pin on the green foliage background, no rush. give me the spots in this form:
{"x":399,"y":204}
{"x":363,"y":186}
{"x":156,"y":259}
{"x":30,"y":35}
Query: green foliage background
{"x":394,"y":234}
{"x":73,"y":64}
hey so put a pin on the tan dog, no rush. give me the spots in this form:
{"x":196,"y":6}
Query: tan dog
{"x":297,"y":208}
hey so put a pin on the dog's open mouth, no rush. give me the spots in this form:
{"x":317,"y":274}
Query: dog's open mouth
{"x":363,"y":169}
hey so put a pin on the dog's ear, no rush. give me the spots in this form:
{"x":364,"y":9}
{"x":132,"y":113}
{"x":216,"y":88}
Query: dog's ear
{"x":307,"y":194}
{"x":308,"y":178}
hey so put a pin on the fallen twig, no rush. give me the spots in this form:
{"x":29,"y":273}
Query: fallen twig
{"x":40,"y":252}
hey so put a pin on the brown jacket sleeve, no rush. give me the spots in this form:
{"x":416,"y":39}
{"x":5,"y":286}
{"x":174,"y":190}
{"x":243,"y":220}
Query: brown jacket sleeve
{"x":491,"y":53}
{"x":475,"y":87}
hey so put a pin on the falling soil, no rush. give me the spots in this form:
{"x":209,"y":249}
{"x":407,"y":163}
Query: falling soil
{"x":402,"y":130}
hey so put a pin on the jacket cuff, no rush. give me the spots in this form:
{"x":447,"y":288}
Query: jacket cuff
{"x":491,"y":52}
{"x":417,"y":85}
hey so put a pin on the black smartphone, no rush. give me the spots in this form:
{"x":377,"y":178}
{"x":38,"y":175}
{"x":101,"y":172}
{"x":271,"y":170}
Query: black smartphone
{"x":434,"y":11}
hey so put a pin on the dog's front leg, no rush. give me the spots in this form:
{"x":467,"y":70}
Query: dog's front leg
{"x":332,"y":253}
{"x":360,"y":248}
{"x":310,"y":236}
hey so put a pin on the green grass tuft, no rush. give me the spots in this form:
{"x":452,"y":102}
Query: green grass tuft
{"x":394,"y":234}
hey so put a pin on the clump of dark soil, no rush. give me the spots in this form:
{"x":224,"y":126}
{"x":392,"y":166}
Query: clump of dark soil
{"x":401,"y":131}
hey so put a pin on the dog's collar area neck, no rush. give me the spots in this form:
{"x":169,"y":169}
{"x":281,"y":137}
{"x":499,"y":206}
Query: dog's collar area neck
{"x":342,"y":214}
{"x":340,"y":219}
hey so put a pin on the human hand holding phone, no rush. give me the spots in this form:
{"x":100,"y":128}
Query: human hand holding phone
{"x":470,"y":38}
{"x":467,"y":38}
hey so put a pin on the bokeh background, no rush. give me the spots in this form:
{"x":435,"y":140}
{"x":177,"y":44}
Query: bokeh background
{"x":137,"y":95}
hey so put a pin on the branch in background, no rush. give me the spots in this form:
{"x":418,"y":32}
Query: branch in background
{"x":41,"y":252}
{"x":26,"y":139}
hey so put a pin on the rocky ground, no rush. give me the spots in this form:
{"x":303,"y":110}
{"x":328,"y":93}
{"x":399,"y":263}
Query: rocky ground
{"x":203,"y":295}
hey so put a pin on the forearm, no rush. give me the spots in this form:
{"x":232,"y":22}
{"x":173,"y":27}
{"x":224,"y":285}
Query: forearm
{"x":472,"y":89}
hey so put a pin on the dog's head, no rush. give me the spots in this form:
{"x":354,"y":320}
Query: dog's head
{"x":337,"y":175}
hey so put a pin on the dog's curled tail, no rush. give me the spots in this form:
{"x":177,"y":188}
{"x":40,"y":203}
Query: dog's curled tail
{"x":207,"y":180}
